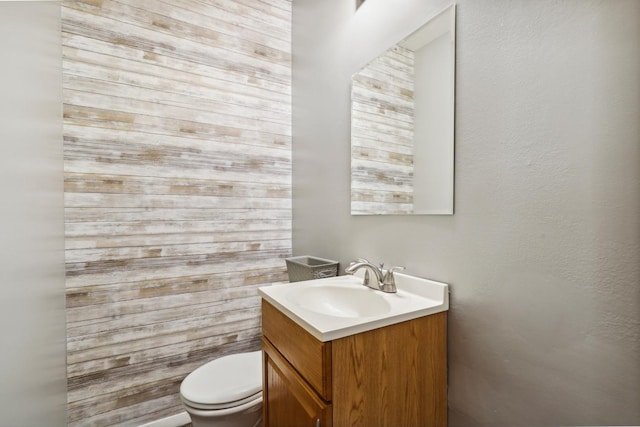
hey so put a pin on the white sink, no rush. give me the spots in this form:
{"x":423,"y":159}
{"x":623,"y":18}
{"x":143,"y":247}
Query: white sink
{"x":337,"y":307}
{"x":340,"y":301}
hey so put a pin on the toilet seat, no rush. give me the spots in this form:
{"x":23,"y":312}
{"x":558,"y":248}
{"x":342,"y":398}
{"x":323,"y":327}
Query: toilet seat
{"x":235,"y":405}
{"x":225,"y":383}
{"x":222,"y":411}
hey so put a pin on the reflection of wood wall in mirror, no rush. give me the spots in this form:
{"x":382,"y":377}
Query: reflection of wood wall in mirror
{"x":402,"y":123}
{"x":382,"y":135}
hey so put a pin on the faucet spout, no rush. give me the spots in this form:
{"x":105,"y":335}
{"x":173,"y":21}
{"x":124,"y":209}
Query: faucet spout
{"x":373,"y":274}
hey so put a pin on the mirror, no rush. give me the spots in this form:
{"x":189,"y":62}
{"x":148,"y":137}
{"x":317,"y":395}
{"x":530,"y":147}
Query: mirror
{"x":402,"y":125}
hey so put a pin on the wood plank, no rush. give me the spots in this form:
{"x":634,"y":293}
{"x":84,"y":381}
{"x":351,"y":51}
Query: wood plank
{"x":100,"y":405}
{"x":107,"y":272}
{"x":81,"y":51}
{"x":177,"y":144}
{"x":172,"y":21}
{"x":114,"y":293}
{"x":83,"y":242}
{"x":235,"y":13}
{"x":157,"y":107}
{"x":172,"y":250}
{"x":135,"y":337}
{"x":173,"y":317}
{"x":108,"y":118}
{"x":245,"y":330}
{"x":154,"y":347}
{"x":98,"y":78}
{"x":155,"y":40}
{"x":101,"y":228}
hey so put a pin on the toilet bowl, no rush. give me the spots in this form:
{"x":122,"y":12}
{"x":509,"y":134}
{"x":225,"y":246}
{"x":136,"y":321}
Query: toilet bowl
{"x":226,"y":392}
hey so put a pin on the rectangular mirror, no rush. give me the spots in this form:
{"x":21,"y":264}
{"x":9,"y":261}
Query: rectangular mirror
{"x":402,"y":125}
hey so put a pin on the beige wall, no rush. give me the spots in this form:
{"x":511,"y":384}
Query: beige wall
{"x":177,"y":192}
{"x":542,"y":252}
{"x":32,"y":312}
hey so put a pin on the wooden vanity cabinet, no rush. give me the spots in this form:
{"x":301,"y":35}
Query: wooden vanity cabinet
{"x":391,"y":376}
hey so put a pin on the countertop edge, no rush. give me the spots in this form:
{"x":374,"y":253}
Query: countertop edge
{"x":353,"y":329}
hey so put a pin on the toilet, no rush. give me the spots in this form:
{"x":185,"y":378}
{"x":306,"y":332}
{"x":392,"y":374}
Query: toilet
{"x":226,"y":392}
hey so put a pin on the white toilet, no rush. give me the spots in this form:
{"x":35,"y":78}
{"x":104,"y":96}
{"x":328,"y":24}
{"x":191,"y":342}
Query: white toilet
{"x":226,"y":392}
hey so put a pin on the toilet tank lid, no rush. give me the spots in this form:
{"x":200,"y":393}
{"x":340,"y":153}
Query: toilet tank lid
{"x":224,"y":380}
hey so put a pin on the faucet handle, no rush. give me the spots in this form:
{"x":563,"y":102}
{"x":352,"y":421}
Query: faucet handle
{"x":389,"y":281}
{"x":389,"y":278}
{"x":394,"y":269}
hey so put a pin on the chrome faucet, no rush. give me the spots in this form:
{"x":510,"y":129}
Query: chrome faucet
{"x":376,"y":272}
{"x":381,"y":281}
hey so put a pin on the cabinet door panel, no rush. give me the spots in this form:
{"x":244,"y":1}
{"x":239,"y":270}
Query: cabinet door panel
{"x":289,"y":400}
{"x":399,"y":378}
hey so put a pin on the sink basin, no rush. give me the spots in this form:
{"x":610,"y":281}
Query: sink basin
{"x":340,"y":301}
{"x":337,"y":307}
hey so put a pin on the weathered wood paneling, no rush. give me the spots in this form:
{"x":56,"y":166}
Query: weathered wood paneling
{"x":177,"y":131}
{"x":382,"y":127}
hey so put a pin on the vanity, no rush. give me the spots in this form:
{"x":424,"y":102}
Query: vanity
{"x":337,"y":353}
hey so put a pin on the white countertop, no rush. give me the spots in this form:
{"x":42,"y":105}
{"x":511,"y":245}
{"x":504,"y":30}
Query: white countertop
{"x":416,"y":297}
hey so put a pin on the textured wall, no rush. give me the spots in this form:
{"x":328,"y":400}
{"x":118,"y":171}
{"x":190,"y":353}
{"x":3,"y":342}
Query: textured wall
{"x":177,"y":138}
{"x":32,"y":313}
{"x":542,"y":252}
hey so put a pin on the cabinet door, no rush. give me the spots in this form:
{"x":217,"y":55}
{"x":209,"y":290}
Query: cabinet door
{"x":288,"y":400}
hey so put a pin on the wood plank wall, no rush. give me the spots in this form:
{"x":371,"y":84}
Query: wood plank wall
{"x":382,"y":127}
{"x":177,"y":130}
